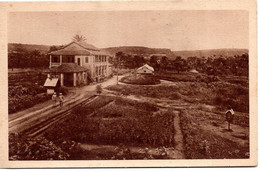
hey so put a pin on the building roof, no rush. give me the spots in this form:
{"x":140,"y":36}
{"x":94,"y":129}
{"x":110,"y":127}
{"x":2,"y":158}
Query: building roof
{"x":78,"y":48}
{"x":147,"y":66}
{"x":67,"y":68}
{"x":194,"y":71}
{"x":88,"y":46}
{"x":51,"y":82}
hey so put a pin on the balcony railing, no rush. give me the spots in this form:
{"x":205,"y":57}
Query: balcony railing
{"x":55,"y":64}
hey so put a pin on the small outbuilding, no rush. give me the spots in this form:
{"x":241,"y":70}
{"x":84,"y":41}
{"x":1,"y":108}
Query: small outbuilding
{"x":52,"y":85}
{"x":145,"y":69}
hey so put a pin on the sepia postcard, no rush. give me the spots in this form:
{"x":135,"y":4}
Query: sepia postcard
{"x":128,"y":84}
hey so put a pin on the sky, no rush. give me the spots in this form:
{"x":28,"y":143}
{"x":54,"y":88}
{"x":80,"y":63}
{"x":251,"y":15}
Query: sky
{"x":176,"y":30}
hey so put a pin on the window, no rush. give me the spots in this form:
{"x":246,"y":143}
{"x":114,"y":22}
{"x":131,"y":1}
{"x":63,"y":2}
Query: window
{"x":86,"y":59}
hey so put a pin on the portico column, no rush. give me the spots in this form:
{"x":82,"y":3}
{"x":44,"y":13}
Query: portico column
{"x":61,"y":79}
{"x":82,"y":77}
{"x":74,"y":79}
{"x":60,"y":59}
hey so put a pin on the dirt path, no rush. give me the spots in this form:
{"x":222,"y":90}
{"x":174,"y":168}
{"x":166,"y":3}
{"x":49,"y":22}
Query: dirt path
{"x":178,"y":137}
{"x":163,"y":82}
{"x":117,"y":150}
{"x":41,"y":111}
{"x":238,"y":134}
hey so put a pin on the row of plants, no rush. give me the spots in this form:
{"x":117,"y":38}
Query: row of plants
{"x":116,"y":124}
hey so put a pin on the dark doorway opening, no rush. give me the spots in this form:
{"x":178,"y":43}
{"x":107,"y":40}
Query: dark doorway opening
{"x":68,"y":79}
{"x":79,"y":61}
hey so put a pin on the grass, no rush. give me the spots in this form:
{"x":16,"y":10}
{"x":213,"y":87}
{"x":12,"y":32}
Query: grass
{"x":138,"y":79}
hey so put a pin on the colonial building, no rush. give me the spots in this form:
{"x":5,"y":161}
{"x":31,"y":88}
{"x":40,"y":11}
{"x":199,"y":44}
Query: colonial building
{"x":79,"y":63}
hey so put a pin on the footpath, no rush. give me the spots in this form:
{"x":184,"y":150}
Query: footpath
{"x":41,"y":110}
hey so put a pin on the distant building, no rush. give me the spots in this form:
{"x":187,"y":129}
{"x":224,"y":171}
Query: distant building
{"x":52,"y":85}
{"x":145,"y":69}
{"x":79,"y":63}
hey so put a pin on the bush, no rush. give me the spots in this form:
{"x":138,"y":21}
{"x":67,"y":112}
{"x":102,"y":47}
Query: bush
{"x":21,"y":148}
{"x":140,"y":80}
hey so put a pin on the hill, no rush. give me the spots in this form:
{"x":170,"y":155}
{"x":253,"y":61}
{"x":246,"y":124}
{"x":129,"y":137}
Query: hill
{"x":137,"y":50}
{"x":145,"y":51}
{"x":210,"y":53}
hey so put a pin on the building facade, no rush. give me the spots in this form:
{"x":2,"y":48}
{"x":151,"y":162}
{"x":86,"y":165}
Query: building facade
{"x":90,"y":64}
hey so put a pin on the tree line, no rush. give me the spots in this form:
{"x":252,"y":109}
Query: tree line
{"x":27,"y":59}
{"x":214,"y":65}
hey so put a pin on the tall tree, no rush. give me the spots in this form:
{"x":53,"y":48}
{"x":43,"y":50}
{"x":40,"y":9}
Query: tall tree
{"x":178,"y":64}
{"x":79,"y":38}
{"x":164,"y":62}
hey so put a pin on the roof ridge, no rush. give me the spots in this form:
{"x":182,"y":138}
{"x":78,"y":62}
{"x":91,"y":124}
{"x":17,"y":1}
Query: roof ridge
{"x":85,"y":47}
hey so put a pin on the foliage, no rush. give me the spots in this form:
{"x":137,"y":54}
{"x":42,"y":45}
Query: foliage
{"x":212,"y":65}
{"x":116,"y":123}
{"x":23,"y":148}
{"x":79,"y":38}
{"x":191,"y":88}
{"x":23,"y":58}
{"x":25,"y":90}
{"x":123,"y":60}
{"x":140,"y":80}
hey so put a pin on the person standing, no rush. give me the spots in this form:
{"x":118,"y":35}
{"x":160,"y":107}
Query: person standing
{"x":229,"y":116}
{"x":54,"y":98}
{"x":61,"y":98}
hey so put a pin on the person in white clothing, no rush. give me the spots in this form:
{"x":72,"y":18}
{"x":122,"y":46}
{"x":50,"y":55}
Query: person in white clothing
{"x":61,"y":98}
{"x":54,"y":98}
{"x":229,"y":116}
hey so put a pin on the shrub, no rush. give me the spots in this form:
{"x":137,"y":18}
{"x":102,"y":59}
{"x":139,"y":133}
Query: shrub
{"x":21,"y":148}
{"x":140,"y":80}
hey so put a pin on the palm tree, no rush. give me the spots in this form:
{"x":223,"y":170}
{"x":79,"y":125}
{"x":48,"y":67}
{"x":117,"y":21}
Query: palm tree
{"x":79,"y":38}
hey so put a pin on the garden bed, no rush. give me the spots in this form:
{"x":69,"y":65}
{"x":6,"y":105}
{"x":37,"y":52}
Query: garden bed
{"x":116,"y":121}
{"x":138,"y":79}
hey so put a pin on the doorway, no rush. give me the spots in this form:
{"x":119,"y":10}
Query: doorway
{"x":79,"y":61}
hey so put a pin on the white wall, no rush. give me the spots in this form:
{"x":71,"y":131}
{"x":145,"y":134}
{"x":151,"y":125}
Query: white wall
{"x":144,"y":70}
